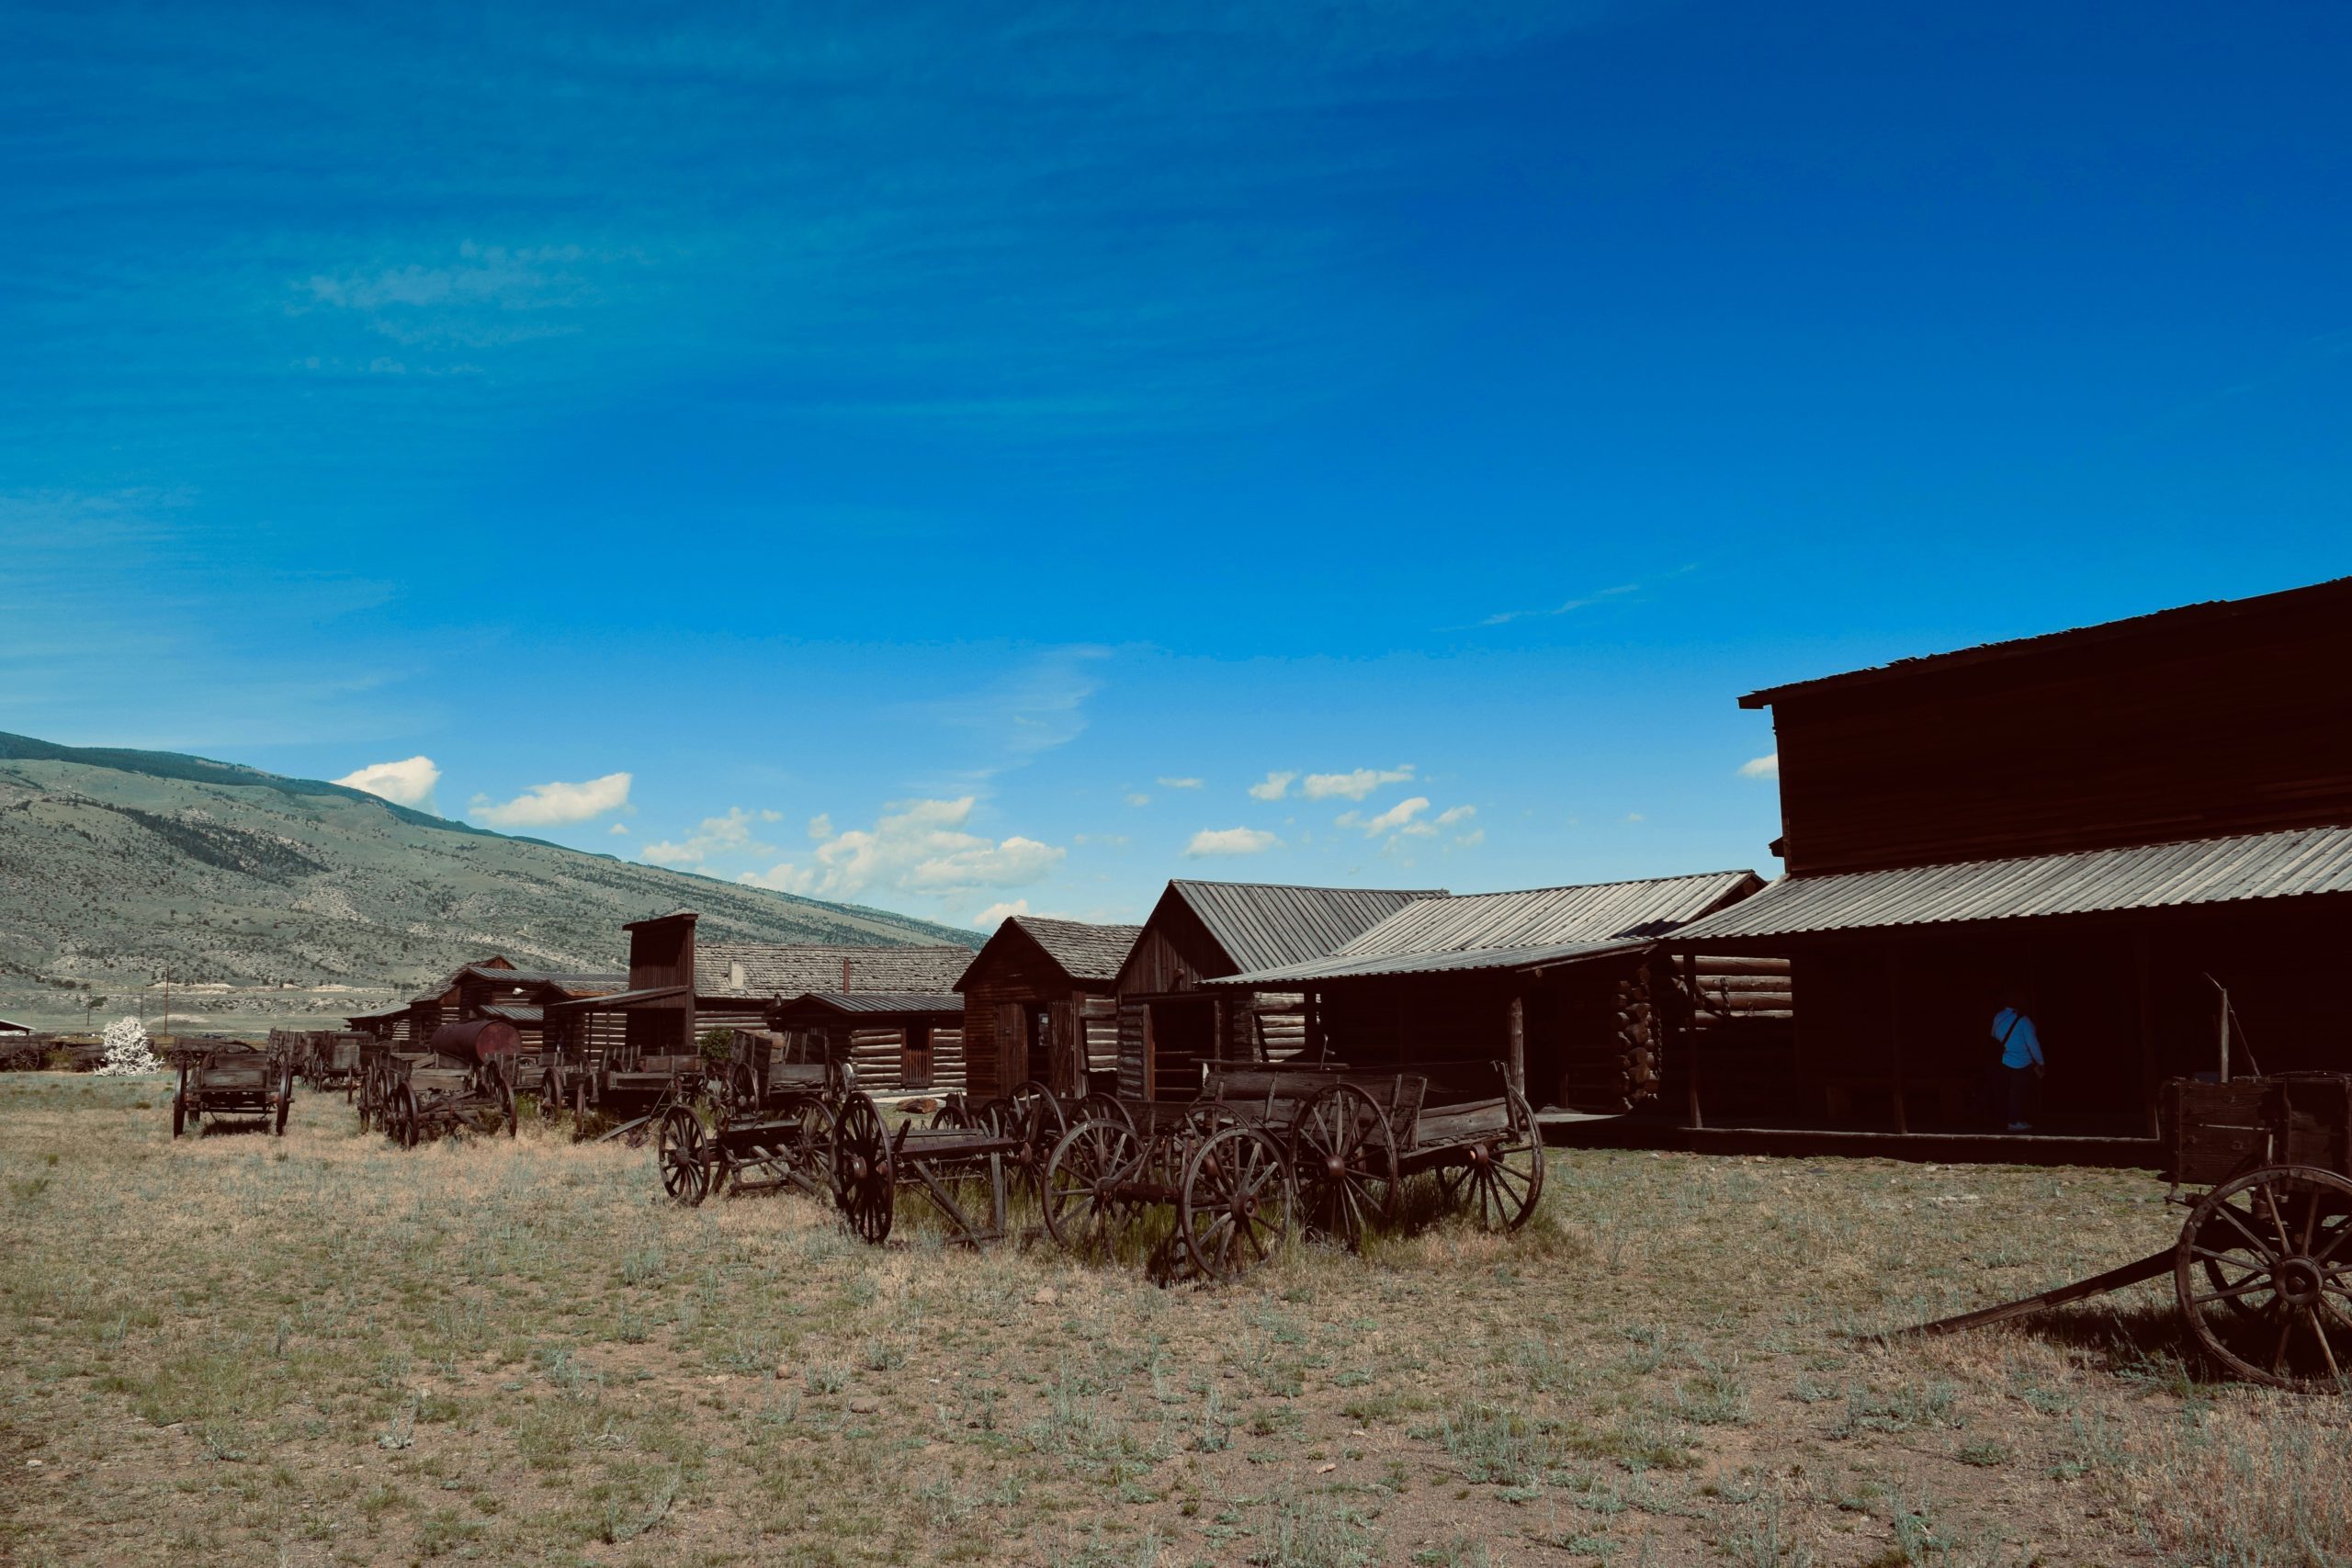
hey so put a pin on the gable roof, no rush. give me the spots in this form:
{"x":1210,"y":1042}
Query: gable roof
{"x":1081,"y":951}
{"x":1517,"y":930}
{"x":1260,"y":925}
{"x":574,"y":982}
{"x":796,"y":969}
{"x":2332,"y":597}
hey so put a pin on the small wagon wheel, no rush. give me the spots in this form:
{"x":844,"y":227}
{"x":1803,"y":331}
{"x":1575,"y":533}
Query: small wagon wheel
{"x":1106,"y":1108}
{"x":1083,"y":1213}
{"x":742,"y":1090}
{"x":1500,"y":1179}
{"x":579,"y":1102}
{"x":399,"y":1118}
{"x":680,"y":1155}
{"x":1344,"y":1155}
{"x":996,"y":1116}
{"x":506,"y":1103}
{"x":952,"y":1113}
{"x":285,"y":1099}
{"x":864,"y":1177}
{"x":551,"y":1095}
{"x":1039,"y":1121}
{"x":179,"y":1103}
{"x":812,"y":1150}
{"x":1233,"y":1208}
{"x":2273,"y":1246}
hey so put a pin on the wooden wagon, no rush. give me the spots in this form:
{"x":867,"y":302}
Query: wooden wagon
{"x":772,"y":1128}
{"x":2262,"y":1269}
{"x":957,"y":1169}
{"x":1342,"y":1142}
{"x":636,"y":1089}
{"x":464,"y":1082}
{"x":237,"y":1080}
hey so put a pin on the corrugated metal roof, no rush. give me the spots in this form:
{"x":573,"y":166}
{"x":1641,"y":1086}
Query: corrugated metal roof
{"x":2252,"y":867}
{"x":1516,"y":931}
{"x":1262,"y":926}
{"x":880,"y":1001}
{"x":1084,"y":951}
{"x":514,"y":1012}
{"x":796,"y":969}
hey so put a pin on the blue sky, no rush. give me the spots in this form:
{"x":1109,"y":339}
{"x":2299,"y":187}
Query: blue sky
{"x":946,"y":455}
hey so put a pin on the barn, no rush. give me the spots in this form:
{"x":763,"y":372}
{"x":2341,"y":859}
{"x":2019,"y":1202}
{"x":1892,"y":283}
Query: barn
{"x":1557,"y":984}
{"x":1171,"y":1022}
{"x":2141,"y":831}
{"x":1038,"y":1004}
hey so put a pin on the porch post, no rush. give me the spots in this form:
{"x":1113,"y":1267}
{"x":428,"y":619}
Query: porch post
{"x":1515,"y":1062}
{"x":1895,"y":1035}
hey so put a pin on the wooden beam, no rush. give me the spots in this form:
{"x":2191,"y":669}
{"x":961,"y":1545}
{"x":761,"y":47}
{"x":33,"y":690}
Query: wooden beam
{"x":1688,"y":1012}
{"x":1515,"y":1064}
{"x":1894,"y":1041}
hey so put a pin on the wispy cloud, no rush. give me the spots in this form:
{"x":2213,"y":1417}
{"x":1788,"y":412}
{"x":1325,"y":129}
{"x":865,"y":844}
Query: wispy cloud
{"x":923,"y":848}
{"x":1273,"y":787}
{"x":1229,"y":841}
{"x":1765,"y":767}
{"x":1179,"y":784}
{"x":555,"y":804}
{"x":406,"y":783}
{"x":1585,"y":600}
{"x":732,"y":834}
{"x":1352,"y":785}
{"x":1397,"y":817}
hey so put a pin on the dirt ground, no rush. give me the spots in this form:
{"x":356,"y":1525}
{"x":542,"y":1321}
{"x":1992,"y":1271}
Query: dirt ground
{"x":323,"y":1349}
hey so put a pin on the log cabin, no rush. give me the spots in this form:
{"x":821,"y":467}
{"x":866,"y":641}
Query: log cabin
{"x":1038,"y":1004}
{"x":1558,"y":986}
{"x":1170,"y":1024}
{"x":2141,"y":831}
{"x":911,"y":1047}
{"x":897,"y":1042}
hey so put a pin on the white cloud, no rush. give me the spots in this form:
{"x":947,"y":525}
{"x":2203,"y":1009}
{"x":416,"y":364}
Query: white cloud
{"x":1138,"y":800}
{"x":730,"y":834}
{"x":1764,"y":767}
{"x":618,"y":829}
{"x":820,"y":827}
{"x":1397,"y":817}
{"x":1453,"y":813}
{"x":1229,"y":841}
{"x":552,"y":805}
{"x":921,"y":847}
{"x":1635,"y":817}
{"x":1353,"y":786}
{"x":1098,"y":837}
{"x":1179,"y":784}
{"x":1273,"y":787}
{"x":1471,"y":840}
{"x":404,"y":784}
{"x":997,"y":913}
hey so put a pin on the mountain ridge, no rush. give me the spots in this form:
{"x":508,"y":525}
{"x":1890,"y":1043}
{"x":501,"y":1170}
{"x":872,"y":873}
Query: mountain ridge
{"x":277,"y":898}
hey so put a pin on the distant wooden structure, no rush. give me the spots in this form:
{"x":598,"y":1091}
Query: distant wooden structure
{"x":1559,"y":984}
{"x":2142,"y":829}
{"x":1038,"y":1003}
{"x":889,"y":1038}
{"x":1170,"y":1024}
{"x":652,"y":1018}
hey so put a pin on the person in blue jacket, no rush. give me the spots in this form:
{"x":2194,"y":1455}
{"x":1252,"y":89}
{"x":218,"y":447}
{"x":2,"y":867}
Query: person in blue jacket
{"x":2021,"y":1064}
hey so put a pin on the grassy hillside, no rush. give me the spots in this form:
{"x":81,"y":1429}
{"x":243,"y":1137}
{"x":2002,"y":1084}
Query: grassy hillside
{"x":266,"y":898}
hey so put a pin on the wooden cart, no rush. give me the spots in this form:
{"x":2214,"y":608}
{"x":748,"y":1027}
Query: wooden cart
{"x":773,"y":1129}
{"x":957,"y":1169}
{"x":1201,"y":1193}
{"x":465,"y":1083}
{"x":2262,"y":1269}
{"x":239,"y":1080}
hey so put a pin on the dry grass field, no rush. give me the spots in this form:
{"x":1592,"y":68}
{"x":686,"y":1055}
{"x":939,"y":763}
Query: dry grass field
{"x":321,"y":1349}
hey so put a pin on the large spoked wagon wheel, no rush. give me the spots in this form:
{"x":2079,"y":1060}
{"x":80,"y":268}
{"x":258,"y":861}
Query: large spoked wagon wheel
{"x":2273,"y":1247}
{"x":1343,"y":1154}
{"x":1499,"y":1180}
{"x":742,"y":1091}
{"x":1233,"y":1208}
{"x":179,"y":1104}
{"x":952,"y":1113}
{"x":1084,"y":1212}
{"x":864,"y":1176}
{"x":506,"y":1106}
{"x":812,"y":1150}
{"x":680,"y":1154}
{"x":551,"y":1095}
{"x":997,"y":1117}
{"x":1100,"y":1107}
{"x":401,"y":1117}
{"x":285,"y":1099}
{"x":1039,"y":1121}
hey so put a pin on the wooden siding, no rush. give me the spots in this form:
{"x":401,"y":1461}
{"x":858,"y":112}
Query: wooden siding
{"x":2184,"y":732}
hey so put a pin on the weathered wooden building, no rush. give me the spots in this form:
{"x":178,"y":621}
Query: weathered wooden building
{"x":2114,"y":825}
{"x":910,"y":1046}
{"x":654,"y":1017}
{"x":1557,"y":984}
{"x":893,"y":1039}
{"x":1038,"y":1004}
{"x":1169,"y":1022}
